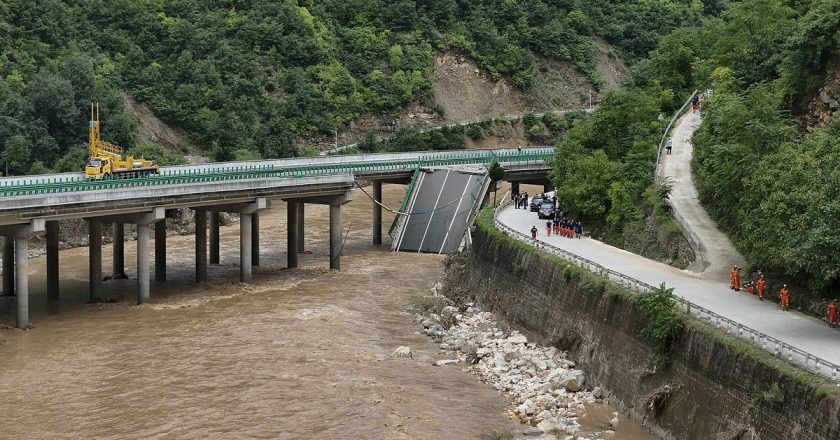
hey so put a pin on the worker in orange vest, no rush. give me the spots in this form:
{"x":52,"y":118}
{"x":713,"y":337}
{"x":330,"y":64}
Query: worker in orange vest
{"x":732,"y":278}
{"x":784,"y":294}
{"x":750,"y":288}
{"x":737,"y":279}
{"x":833,"y":314}
{"x":761,"y":285}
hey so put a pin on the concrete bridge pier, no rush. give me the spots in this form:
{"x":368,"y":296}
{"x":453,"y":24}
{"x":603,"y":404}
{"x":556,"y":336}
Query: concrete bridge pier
{"x":245,"y":255}
{"x":335,"y":202}
{"x":200,"y":246}
{"x":9,"y":265}
{"x":215,"y":221}
{"x":335,"y":237}
{"x":21,"y":234}
{"x":255,"y":239}
{"x":160,"y":251}
{"x":301,"y":214}
{"x":118,"y":246}
{"x":292,"y":233}
{"x":52,"y":260}
{"x":95,"y":258}
{"x":377,"y":212}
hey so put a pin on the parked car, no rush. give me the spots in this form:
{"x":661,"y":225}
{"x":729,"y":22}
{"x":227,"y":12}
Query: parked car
{"x":546,"y":210}
{"x":536,"y":202}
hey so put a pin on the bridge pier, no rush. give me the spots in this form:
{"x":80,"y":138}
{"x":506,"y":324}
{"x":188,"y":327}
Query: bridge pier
{"x":20,"y":235}
{"x":143,"y":294}
{"x":52,"y":260}
{"x":118,"y":246}
{"x":9,"y":265}
{"x":200,"y":246}
{"x":292,"y":225}
{"x":301,"y":213}
{"x":95,"y":258}
{"x":255,"y":239}
{"x":215,"y":221}
{"x":160,"y":251}
{"x":245,"y":247}
{"x":377,"y":212}
{"x":335,"y":237}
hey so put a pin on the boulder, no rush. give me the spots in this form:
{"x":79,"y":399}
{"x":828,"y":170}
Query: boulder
{"x":614,"y":422}
{"x":532,"y":432}
{"x":443,"y":362}
{"x":598,"y":393}
{"x":528,"y":408}
{"x":517,"y":339}
{"x":402,"y":351}
{"x":572,"y":380}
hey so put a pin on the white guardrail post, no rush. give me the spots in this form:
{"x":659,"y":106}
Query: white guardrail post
{"x":777,"y":347}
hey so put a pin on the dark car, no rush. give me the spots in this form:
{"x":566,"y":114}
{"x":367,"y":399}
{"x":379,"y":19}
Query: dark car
{"x":546,"y":210}
{"x":536,"y":202}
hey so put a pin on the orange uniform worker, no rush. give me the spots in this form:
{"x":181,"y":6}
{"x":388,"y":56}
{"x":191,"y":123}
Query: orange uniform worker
{"x":784,"y":294}
{"x":737,"y":279}
{"x":750,"y":288}
{"x":548,"y":227}
{"x":761,"y":285}
{"x":732,"y":278}
{"x":833,"y":313}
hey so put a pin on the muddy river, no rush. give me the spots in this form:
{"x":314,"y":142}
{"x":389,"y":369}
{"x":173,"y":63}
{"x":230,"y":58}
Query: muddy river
{"x":300,"y":353}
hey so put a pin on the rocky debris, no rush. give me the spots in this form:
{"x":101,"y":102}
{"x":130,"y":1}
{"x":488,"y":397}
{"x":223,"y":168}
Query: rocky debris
{"x":402,"y":351}
{"x":826,"y":103}
{"x":614,"y":422}
{"x":443,"y":362}
{"x":545,"y":388}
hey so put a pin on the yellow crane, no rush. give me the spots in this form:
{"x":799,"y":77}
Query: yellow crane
{"x":106,"y":160}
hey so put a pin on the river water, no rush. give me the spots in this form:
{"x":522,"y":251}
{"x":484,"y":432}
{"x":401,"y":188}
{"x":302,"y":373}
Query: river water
{"x":300,"y":353}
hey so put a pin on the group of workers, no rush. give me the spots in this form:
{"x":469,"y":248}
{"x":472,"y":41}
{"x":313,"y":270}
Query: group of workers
{"x":759,"y":287}
{"x":564,"y":227}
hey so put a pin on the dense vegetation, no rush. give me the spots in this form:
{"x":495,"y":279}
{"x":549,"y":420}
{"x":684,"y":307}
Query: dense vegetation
{"x":766,"y":181}
{"x":244,"y":78}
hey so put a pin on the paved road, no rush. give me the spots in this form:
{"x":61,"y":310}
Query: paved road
{"x":716,"y":253}
{"x":803,"y":332}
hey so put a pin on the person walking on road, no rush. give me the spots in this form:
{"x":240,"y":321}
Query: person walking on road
{"x":534,"y":233}
{"x":784,"y":296}
{"x":548,"y":227}
{"x":695,"y":103}
{"x":669,"y":146}
{"x":833,"y":314}
{"x":737,"y":279}
{"x":732,"y":278}
{"x":760,"y":286}
{"x":578,"y":229}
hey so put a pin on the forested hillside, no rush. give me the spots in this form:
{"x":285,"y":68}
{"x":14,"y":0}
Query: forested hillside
{"x":246,"y":77}
{"x":768,"y":180}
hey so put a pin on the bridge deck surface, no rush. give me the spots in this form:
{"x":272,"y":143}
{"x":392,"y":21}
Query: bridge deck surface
{"x":800,"y":331}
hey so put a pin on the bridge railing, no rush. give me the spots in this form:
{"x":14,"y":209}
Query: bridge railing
{"x":777,"y":347}
{"x":238,"y":171}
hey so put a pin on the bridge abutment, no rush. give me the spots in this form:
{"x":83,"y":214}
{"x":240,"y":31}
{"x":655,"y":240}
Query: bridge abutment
{"x":52,"y":260}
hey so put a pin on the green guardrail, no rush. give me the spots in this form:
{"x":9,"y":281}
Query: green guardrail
{"x":185,"y":177}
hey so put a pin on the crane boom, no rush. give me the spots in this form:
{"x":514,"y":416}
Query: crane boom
{"x":106,"y":160}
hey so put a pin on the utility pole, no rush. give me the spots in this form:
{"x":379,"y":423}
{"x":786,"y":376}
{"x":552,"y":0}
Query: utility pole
{"x":590,"y":100}
{"x":336,"y":138}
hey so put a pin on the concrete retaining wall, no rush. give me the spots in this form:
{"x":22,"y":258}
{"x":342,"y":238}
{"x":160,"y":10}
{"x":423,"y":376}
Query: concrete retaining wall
{"x":720,"y":388}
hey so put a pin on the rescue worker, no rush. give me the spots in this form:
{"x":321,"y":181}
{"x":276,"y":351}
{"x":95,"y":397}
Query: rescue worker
{"x":761,"y":285}
{"x":833,"y":314}
{"x":578,"y":229}
{"x":548,"y":227}
{"x":732,"y":278}
{"x":784,"y":295}
{"x":750,"y":288}
{"x":737,"y":279}
{"x":534,"y":233}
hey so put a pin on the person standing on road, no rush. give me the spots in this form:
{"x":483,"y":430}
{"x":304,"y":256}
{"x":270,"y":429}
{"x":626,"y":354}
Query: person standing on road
{"x":833,"y":314}
{"x":534,"y":233}
{"x":669,"y":146}
{"x":737,"y":279}
{"x":784,"y":296}
{"x":695,"y":103}
{"x":548,"y":226}
{"x":732,"y":278}
{"x":761,"y":285}
{"x":578,"y":229}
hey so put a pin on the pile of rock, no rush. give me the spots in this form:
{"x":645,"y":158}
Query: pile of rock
{"x":543,"y":384}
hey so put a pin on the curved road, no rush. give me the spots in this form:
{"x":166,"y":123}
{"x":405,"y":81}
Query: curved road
{"x":716,"y":254}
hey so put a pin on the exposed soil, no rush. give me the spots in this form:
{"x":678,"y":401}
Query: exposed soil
{"x":826,"y":103}
{"x":150,"y":129}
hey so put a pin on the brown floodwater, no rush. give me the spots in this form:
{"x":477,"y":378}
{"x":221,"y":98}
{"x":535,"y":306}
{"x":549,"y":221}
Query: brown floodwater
{"x":300,"y":353}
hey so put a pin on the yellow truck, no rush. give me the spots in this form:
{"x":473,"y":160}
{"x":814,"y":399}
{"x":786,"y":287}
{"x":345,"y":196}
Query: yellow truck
{"x":107,"y":161}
